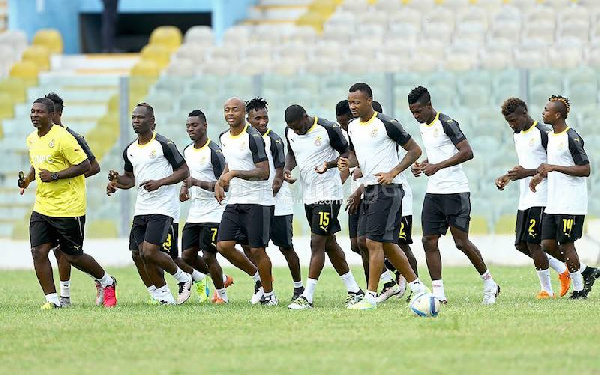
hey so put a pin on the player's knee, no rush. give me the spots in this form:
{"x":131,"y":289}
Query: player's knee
{"x":429,"y":242}
{"x":187,"y":255}
{"x":362,"y":244}
{"x":461,"y":244}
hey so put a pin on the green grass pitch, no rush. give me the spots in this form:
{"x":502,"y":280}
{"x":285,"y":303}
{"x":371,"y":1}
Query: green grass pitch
{"x":519,"y":335}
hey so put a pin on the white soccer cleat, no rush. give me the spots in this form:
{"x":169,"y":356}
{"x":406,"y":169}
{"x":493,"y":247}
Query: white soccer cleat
{"x":300,"y":303}
{"x":389,"y":290}
{"x":164,"y":297}
{"x":185,"y":290}
{"x":258,"y":293}
{"x":490,"y":293}
{"x":269,"y":301}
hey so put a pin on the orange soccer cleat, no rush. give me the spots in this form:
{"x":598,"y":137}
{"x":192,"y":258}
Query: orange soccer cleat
{"x":565,"y":282}
{"x":544,"y":295}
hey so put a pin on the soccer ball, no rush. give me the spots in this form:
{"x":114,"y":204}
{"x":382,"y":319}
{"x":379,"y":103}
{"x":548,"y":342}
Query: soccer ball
{"x":425,"y":305}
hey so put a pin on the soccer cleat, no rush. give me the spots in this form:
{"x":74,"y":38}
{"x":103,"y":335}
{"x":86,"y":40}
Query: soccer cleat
{"x":297,"y":293}
{"x":544,"y":295}
{"x":578,"y":295}
{"x":49,"y":306}
{"x":590,"y":275}
{"x":490,"y":294}
{"x":353,"y":297}
{"x":110,"y":294}
{"x":152,"y":301}
{"x":228,"y":281}
{"x":269,"y":301}
{"x":389,"y":290}
{"x":164,"y":297}
{"x":65,"y":301}
{"x":219,"y":301}
{"x":300,"y":303}
{"x":185,"y":290}
{"x":258,"y":293}
{"x":99,"y":294}
{"x":565,"y":282}
{"x":362,"y":304}
{"x":203,"y":291}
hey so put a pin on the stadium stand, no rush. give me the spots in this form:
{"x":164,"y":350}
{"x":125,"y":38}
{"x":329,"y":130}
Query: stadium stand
{"x":471,"y":54}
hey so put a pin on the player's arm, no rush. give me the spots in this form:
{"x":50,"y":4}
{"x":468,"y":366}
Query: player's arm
{"x":94,"y":165}
{"x":73,"y":153}
{"x":180,"y":168}
{"x":217,"y":161}
{"x":338,"y":142}
{"x":580,"y":158}
{"x":72,"y":171}
{"x":24,"y":181}
{"x":278,"y":152}
{"x":395,"y":131}
{"x":261,"y":169}
{"x":94,"y":168}
{"x":465,"y":152}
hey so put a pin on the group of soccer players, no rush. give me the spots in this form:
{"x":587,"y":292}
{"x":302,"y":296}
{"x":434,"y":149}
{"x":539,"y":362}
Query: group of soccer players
{"x":241,"y":199}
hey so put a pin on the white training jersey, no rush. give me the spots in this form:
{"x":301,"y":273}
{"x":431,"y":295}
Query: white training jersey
{"x":531,"y":150}
{"x":323,"y":142}
{"x":566,"y":194}
{"x":407,"y":200}
{"x":375,"y":143}
{"x":155,"y":160}
{"x":243,"y":152}
{"x":206,"y":164}
{"x":440,"y":139}
{"x":283,"y":201}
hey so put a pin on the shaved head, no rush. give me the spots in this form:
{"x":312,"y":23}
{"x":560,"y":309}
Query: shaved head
{"x":235,"y":101}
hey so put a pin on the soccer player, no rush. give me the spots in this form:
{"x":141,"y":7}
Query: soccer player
{"x":158,"y":167}
{"x":281,"y":232}
{"x":447,"y":201}
{"x":314,"y":145}
{"x":374,"y":139}
{"x":206,"y":163}
{"x":58,"y":215}
{"x":247,"y":216}
{"x":344,"y":116}
{"x":567,"y":170}
{"x":531,"y":140}
{"x":64,"y":267}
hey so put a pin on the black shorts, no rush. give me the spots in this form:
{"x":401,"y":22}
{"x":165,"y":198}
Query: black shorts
{"x":353,"y":224}
{"x":443,"y":210}
{"x":246,"y":224}
{"x":562,"y":228}
{"x":405,"y":234}
{"x":380,"y":213}
{"x":282,"y":231}
{"x":68,"y":232}
{"x":155,"y":229}
{"x":200,"y":235}
{"x":529,"y":226}
{"x":323,"y":217}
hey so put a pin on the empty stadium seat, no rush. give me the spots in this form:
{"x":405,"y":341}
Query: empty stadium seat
{"x":49,"y":38}
{"x":27,"y":71}
{"x":167,"y":36}
{"x":158,"y":53}
{"x":200,"y":35}
{"x":38,"y":55}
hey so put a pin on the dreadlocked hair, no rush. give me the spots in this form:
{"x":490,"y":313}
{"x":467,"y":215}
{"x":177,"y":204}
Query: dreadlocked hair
{"x":564,"y":101}
{"x":256,"y":104}
{"x":510,"y":105}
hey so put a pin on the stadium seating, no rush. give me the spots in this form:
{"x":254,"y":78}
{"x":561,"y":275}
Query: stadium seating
{"x":471,"y":54}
